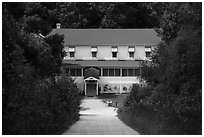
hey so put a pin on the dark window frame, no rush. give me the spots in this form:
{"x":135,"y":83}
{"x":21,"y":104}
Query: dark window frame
{"x":113,"y":72}
{"x":117,"y":74}
{"x":94,"y":54}
{"x":71,"y":54}
{"x":114,"y":54}
{"x":137,"y":72}
{"x":131,"y":54}
{"x":78,"y":72}
{"x":72,"y":72}
{"x":126,"y":72}
{"x":148,"y":54}
{"x":130,"y":72}
{"x":105,"y":73}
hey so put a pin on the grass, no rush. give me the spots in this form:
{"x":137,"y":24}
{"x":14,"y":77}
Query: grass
{"x":145,"y":121}
{"x":144,"y":124}
{"x":140,"y":123}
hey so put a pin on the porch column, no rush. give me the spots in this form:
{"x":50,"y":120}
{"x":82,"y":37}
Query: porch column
{"x":140,"y":72}
{"x":120,"y":88}
{"x":101,"y":72}
{"x":85,"y":87}
{"x":97,"y":88}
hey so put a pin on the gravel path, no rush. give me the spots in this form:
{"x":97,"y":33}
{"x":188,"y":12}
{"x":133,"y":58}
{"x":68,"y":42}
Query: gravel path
{"x":96,"y":118}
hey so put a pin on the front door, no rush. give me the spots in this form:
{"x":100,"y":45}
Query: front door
{"x":91,"y":89}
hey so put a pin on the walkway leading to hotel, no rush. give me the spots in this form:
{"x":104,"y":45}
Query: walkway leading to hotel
{"x":98,"y":119}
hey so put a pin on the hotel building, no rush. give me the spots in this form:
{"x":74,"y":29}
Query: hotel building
{"x":106,"y":60}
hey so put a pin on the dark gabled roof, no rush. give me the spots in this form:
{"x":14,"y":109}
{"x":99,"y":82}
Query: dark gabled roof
{"x":102,"y":64}
{"x":109,"y":36}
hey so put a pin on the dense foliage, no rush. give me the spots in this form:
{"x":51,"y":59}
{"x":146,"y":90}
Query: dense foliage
{"x":36,"y":99}
{"x":175,"y":73}
{"x":42,"y":16}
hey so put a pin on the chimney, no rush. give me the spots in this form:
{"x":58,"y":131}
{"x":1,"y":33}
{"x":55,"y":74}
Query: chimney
{"x":58,"y":25}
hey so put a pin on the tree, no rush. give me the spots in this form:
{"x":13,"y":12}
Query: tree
{"x":32,"y":101}
{"x":105,"y":15}
{"x":132,"y":15}
{"x":178,"y":65}
{"x":175,"y":16}
{"x":56,"y":43}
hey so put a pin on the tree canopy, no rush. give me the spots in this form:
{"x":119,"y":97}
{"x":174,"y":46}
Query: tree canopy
{"x":176,"y":67}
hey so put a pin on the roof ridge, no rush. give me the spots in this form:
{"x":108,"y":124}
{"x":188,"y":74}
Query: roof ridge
{"x":104,"y":29}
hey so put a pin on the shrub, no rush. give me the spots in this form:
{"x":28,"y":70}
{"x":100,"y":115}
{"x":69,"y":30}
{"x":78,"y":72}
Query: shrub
{"x":32,"y":102}
{"x":137,"y":98}
{"x":46,"y":107}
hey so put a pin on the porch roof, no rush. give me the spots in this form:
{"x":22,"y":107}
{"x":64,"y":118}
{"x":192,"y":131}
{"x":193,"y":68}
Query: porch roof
{"x":102,"y":64}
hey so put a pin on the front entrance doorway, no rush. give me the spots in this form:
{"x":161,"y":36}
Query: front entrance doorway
{"x":91,"y":78}
{"x":91,"y":86}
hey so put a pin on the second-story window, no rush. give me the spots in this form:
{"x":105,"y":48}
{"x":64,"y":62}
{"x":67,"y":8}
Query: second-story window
{"x":71,"y":54}
{"x":131,"y":51}
{"x":94,"y":51}
{"x":114,"y":51}
{"x":71,"y":51}
{"x":148,"y":50}
{"x":147,"y":54}
{"x":114,"y":54}
{"x":94,"y":54}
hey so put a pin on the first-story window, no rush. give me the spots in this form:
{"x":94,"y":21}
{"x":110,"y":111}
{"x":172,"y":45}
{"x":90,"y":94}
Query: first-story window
{"x":78,"y":72}
{"x":71,"y":54}
{"x":74,"y":72}
{"x":130,"y":72}
{"x":105,"y":72}
{"x":111,"y":72}
{"x":67,"y":71}
{"x":137,"y":72}
{"x":124,"y":72}
{"x":117,"y":72}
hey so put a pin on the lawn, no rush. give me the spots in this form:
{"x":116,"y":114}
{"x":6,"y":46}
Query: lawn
{"x":143,"y":124}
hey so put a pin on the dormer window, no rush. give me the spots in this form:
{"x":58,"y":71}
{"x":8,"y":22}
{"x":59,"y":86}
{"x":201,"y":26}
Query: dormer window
{"x":148,"y":50}
{"x":71,"y":54}
{"x":114,"y":51}
{"x":71,"y":51}
{"x":94,"y":49}
{"x":131,"y":51}
{"x":94,"y":52}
